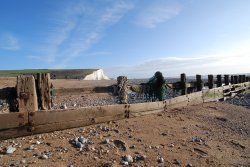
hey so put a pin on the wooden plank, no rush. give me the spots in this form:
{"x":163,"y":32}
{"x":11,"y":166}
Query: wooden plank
{"x":26,"y":94}
{"x":13,"y":119}
{"x":140,"y":107}
{"x":14,"y":132}
{"x":195,"y":98}
{"x":218,"y":93}
{"x":142,"y":113}
{"x":177,"y":102}
{"x":227,"y":87}
{"x":208,"y":95}
{"x":57,"y":116}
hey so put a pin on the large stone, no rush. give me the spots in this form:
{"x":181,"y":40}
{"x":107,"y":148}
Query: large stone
{"x":10,"y":150}
{"x":128,"y":158}
{"x":83,"y":140}
{"x":121,"y":145}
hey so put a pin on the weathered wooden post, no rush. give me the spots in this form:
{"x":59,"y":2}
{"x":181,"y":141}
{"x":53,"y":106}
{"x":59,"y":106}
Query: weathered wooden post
{"x":219,"y":81}
{"x":210,"y":81}
{"x":236,"y":79}
{"x":43,"y":91}
{"x":247,"y":79}
{"x":183,"y":84}
{"x":232,"y":79}
{"x":122,"y":85}
{"x":226,"y":79}
{"x":199,"y":83}
{"x":240,"y":79}
{"x":26,"y":94}
{"x":243,"y":78}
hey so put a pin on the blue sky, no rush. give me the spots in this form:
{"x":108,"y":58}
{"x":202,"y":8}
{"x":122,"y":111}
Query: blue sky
{"x":127,"y":37}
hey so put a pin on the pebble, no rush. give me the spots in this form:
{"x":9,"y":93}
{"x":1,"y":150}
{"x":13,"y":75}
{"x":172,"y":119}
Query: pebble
{"x":23,"y":161}
{"x":124,"y":163}
{"x":140,"y":157}
{"x":1,"y":156}
{"x":128,"y":158}
{"x":78,"y":145}
{"x":31,"y":147}
{"x":132,"y":147}
{"x":83,"y":140}
{"x":44,"y":156}
{"x":160,"y":160}
{"x":177,"y":162}
{"x":121,"y":145}
{"x":189,"y":165}
{"x":10,"y":150}
{"x":197,"y":139}
{"x":38,"y":142}
{"x":106,"y":141}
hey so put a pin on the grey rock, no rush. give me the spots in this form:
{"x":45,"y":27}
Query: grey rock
{"x":121,"y":145}
{"x":38,"y":142}
{"x":140,"y":157}
{"x":124,"y":163}
{"x":189,"y":165}
{"x":83,"y":140}
{"x":132,"y":147}
{"x":10,"y":150}
{"x":177,"y":162}
{"x":31,"y":147}
{"x":106,"y":141}
{"x":79,"y":145}
{"x":44,"y":156}
{"x":64,"y":107}
{"x":128,"y":158}
{"x":197,"y":139}
{"x":160,"y":160}
{"x":23,"y":161}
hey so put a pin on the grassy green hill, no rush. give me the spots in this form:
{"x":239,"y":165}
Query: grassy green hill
{"x":57,"y":73}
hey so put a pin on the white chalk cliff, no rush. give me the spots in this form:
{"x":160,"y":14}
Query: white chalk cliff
{"x":96,"y":75}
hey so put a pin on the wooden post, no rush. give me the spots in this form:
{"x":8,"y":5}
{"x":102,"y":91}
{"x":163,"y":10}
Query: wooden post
{"x":247,"y":79}
{"x":243,"y":78}
{"x":183,"y":84}
{"x":26,"y":94}
{"x":219,"y":81}
{"x":199,"y":83}
{"x":236,"y":79}
{"x":240,"y":79}
{"x":122,"y":85}
{"x":210,"y":81}
{"x":226,"y":79}
{"x":232,"y":79}
{"x":43,"y":91}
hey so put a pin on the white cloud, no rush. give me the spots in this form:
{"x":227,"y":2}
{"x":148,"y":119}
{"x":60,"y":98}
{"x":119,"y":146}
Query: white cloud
{"x":78,"y":27}
{"x":9,"y":42}
{"x":230,"y":61}
{"x":157,"y":13}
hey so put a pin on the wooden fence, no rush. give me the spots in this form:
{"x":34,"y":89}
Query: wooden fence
{"x":30,"y":121}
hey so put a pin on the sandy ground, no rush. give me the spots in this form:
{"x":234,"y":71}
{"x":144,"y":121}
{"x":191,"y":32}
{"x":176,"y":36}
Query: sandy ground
{"x":212,"y":134}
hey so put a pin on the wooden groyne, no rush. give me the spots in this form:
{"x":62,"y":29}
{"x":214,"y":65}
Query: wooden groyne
{"x":34,"y":116}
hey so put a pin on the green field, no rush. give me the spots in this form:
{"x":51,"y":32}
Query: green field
{"x":57,"y":73}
